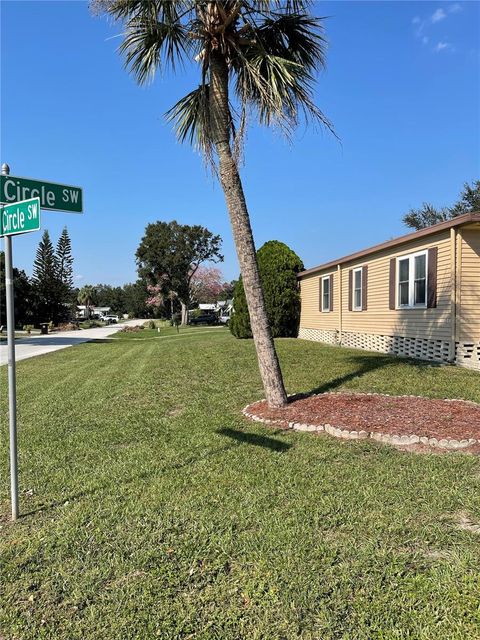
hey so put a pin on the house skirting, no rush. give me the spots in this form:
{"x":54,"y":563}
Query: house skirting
{"x":466,"y":354}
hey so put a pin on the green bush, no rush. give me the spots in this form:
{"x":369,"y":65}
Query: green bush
{"x":28,"y":328}
{"x":278,"y":266}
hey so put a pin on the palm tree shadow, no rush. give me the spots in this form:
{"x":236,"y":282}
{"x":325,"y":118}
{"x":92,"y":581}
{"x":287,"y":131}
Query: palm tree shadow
{"x":255,"y":439}
{"x":365,"y":364}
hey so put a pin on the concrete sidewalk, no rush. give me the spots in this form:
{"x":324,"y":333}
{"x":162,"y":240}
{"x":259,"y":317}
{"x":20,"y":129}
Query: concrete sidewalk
{"x":39,"y":345}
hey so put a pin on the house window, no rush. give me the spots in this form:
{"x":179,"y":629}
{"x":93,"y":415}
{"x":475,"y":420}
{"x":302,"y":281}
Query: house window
{"x":357,"y":289}
{"x":412,"y":280}
{"x":326,"y":293}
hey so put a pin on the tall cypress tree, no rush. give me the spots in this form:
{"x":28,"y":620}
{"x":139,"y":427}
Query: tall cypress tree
{"x":65,"y":261}
{"x":48,"y":291}
{"x":278,"y":266}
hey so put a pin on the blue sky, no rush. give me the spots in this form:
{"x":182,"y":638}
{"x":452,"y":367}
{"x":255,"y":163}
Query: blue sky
{"x":401,"y":87}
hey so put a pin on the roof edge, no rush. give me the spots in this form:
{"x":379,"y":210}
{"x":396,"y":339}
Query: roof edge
{"x":466,"y":218}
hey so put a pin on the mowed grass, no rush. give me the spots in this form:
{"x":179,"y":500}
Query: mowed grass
{"x":153,"y":509}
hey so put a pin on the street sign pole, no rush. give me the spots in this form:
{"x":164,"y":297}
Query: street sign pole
{"x":21,"y":200}
{"x":12,"y":390}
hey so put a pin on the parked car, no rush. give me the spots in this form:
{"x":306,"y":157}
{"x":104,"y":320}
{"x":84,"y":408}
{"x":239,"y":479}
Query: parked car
{"x":110,"y":319}
{"x":224,"y":318}
{"x":204,"y":318}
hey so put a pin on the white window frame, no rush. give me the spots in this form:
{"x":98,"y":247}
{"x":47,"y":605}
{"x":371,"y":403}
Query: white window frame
{"x":354,"y":306}
{"x":411,"y":280}
{"x":325,"y":309}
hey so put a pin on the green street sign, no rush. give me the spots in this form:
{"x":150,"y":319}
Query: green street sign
{"x":20,"y":217}
{"x":57,"y":197}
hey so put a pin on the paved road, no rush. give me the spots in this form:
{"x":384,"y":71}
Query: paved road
{"x":38,"y":345}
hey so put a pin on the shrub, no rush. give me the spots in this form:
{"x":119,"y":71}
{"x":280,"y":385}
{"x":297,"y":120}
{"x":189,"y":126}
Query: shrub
{"x":68,"y":326}
{"x":278,"y":266}
{"x":132,"y":329}
{"x":150,"y":324}
{"x":28,"y":328}
{"x":51,"y":326}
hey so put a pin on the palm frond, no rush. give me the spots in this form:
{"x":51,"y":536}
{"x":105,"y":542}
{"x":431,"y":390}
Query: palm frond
{"x":149,"y":45}
{"x":275,"y":71}
{"x":278,"y":89}
{"x":154,"y":36}
{"x":297,"y":37}
{"x":164,"y":10}
{"x":191,"y":121}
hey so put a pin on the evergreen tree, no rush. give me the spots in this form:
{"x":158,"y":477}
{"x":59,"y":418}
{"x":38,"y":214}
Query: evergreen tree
{"x":135,"y":296}
{"x":428,"y":215}
{"x":65,"y":261}
{"x":22,"y":292}
{"x":278,"y":266}
{"x":48,"y":287}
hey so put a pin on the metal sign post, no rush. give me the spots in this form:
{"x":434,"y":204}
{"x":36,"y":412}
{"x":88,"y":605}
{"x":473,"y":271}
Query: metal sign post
{"x":21,"y":217}
{"x":12,"y":389}
{"x":21,"y":199}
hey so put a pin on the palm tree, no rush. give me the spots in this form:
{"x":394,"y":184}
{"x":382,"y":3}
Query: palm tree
{"x":86,"y":296}
{"x":256,"y":57}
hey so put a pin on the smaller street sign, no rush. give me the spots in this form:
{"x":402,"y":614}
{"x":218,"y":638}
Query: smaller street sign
{"x":20,"y":217}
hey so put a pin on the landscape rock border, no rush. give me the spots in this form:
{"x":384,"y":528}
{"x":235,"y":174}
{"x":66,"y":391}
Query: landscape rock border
{"x":386,"y":438}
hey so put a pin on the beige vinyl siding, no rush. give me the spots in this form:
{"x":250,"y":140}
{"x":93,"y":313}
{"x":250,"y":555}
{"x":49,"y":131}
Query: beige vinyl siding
{"x":378,"y":318}
{"x":311,"y":316}
{"x":412,"y":323}
{"x":469,"y":294}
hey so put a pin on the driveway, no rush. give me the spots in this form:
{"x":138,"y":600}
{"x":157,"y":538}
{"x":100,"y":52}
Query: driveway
{"x":38,"y":345}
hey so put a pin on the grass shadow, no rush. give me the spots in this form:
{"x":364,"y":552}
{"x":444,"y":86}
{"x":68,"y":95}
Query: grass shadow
{"x":255,"y":439}
{"x":364,"y":365}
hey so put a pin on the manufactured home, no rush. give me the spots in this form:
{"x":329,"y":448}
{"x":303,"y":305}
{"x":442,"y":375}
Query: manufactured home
{"x":416,"y":296}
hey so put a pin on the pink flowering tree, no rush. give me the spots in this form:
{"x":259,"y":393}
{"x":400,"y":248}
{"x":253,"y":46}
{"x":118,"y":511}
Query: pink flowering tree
{"x":207,"y":284}
{"x":155,"y":296}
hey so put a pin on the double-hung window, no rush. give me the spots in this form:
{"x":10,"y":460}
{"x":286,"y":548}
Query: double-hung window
{"x":326,"y":293}
{"x":357,"y":289}
{"x":412,"y":280}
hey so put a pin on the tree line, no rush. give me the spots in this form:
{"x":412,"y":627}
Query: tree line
{"x":172,"y":278}
{"x":50,"y":295}
{"x":46,"y":296}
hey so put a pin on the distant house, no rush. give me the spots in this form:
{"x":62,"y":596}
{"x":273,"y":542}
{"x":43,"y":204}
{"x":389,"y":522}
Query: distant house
{"x":94,"y":311}
{"x":225,"y":306}
{"x":221,"y":306}
{"x":417,"y":296}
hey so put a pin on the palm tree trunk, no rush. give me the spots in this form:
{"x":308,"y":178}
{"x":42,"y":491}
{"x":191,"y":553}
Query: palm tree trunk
{"x":242,"y":233}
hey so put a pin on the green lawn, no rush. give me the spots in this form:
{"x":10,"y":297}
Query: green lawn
{"x":153,"y":509}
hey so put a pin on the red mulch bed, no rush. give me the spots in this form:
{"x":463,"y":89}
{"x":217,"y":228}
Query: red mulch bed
{"x":399,"y":415}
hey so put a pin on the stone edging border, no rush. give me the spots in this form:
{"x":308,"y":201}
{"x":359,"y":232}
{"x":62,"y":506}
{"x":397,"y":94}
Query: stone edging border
{"x":387,"y":438}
